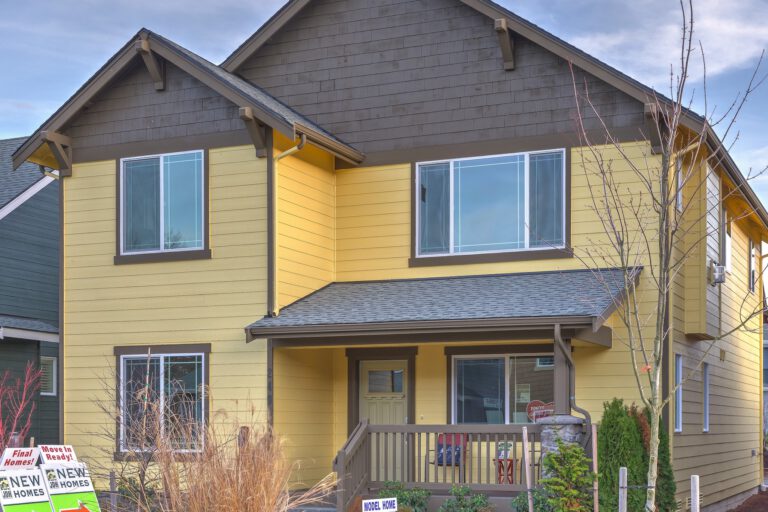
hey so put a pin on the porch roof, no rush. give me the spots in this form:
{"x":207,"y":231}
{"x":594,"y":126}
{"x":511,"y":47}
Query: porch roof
{"x":575,"y":299}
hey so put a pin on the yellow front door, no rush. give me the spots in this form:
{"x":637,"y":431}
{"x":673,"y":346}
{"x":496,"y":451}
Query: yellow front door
{"x":384,"y":401}
{"x":384,"y":392}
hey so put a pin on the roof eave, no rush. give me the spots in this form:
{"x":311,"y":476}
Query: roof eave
{"x":418,"y":327}
{"x":322,"y":141}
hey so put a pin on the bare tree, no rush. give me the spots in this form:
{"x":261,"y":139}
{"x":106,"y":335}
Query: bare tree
{"x":653,"y":208}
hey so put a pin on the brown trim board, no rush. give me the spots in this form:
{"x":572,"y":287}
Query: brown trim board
{"x":137,"y":350}
{"x":60,"y":362}
{"x":271,"y":205}
{"x":159,"y":257}
{"x":355,"y":355}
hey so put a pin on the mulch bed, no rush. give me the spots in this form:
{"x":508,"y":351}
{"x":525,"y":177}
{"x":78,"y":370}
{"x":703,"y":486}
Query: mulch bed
{"x":757,"y":503}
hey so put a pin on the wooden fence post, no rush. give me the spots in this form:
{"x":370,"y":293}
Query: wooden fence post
{"x":595,"y":485}
{"x":622,"y":489}
{"x":694,"y":493}
{"x":527,"y":462}
{"x":112,"y":492}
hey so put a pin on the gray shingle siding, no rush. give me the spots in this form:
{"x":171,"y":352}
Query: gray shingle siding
{"x":408,"y":74}
{"x":29,"y":258}
{"x":13,"y":183}
{"x":579,"y":293}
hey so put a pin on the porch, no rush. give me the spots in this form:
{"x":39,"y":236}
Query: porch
{"x":487,"y":458}
{"x":436,"y":396}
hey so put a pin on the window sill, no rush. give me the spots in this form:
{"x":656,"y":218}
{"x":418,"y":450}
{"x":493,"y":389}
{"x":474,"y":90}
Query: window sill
{"x":158,"y":257}
{"x":495,"y":257}
{"x":147,"y":456}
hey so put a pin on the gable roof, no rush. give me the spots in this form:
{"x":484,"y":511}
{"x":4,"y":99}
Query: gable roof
{"x":574,"y":298}
{"x":19,"y":185}
{"x":557,"y":46}
{"x":266,"y":108}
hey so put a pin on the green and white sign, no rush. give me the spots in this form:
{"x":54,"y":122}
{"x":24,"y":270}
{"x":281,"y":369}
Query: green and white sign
{"x":70,"y":487}
{"x":23,"y":490}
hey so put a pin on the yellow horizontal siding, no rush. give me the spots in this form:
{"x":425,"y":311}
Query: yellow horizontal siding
{"x":204,"y":301}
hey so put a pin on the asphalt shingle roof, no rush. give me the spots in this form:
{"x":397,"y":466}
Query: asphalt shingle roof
{"x":13,"y":183}
{"x":28,"y":324}
{"x":575,"y":293}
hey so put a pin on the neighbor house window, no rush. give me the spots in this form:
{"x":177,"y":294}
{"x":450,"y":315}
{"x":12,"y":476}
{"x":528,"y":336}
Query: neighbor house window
{"x":162,"y":203}
{"x":501,"y":389}
{"x":48,"y":375}
{"x":162,"y":395}
{"x":678,"y":393}
{"x":491,"y":204}
{"x":705,"y":386}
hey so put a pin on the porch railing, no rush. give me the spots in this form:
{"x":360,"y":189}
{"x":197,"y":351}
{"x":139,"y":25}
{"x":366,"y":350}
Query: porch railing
{"x":487,"y":458}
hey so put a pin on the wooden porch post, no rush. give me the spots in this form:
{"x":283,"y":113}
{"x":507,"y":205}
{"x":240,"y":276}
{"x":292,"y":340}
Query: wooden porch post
{"x":562,"y":381}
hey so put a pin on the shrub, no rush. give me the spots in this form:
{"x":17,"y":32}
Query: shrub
{"x":18,"y":396}
{"x":569,"y":484}
{"x":540,"y":501}
{"x":463,"y":500}
{"x":619,"y":443}
{"x":414,"y":499}
{"x":665,"y":483}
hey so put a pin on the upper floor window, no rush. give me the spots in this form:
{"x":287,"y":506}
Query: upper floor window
{"x":491,"y":204}
{"x":727,"y":247}
{"x":752,"y":266}
{"x":162,"y":206}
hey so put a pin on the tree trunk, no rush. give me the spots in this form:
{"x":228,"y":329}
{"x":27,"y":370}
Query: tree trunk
{"x":653,"y":460}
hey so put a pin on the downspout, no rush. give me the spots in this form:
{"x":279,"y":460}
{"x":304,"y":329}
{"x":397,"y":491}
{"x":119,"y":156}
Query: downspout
{"x":572,"y":376}
{"x":275,"y":309}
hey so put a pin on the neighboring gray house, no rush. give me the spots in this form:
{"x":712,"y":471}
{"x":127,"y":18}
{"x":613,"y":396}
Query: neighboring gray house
{"x":29,"y":282}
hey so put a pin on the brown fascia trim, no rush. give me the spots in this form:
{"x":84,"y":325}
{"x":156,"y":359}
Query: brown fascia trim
{"x":537,"y":348}
{"x":160,"y":257}
{"x":614,"y":305}
{"x":421,"y":326}
{"x":322,"y":141}
{"x":263,"y":34}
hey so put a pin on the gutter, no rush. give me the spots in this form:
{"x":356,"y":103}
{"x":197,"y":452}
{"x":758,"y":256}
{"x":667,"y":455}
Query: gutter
{"x":274,"y":309}
{"x":572,"y":375}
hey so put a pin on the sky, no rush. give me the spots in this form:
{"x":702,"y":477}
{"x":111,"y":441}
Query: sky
{"x":50,"y":48}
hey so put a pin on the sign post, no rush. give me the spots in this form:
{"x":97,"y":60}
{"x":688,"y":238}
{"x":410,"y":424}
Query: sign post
{"x":23,"y":490}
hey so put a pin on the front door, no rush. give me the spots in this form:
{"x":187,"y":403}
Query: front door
{"x":384,"y":401}
{"x":384,"y":392}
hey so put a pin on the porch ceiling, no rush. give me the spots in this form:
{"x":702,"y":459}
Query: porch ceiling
{"x":578,"y":300}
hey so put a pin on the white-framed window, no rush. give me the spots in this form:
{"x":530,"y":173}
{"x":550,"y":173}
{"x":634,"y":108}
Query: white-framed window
{"x":48,"y":375}
{"x":162,"y":395}
{"x":499,"y":203}
{"x":678,"y":393}
{"x":705,"y":394}
{"x":498,"y":389}
{"x":727,"y":242}
{"x":545,"y":362}
{"x":752,"y":266}
{"x":162,"y":203}
{"x":679,"y":184}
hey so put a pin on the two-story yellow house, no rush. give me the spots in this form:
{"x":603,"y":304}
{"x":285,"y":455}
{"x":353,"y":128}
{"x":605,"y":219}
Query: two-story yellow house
{"x":387,"y":197}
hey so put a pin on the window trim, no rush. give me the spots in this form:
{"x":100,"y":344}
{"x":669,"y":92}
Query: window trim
{"x":705,"y":397}
{"x":161,"y":255}
{"x":678,"y":393}
{"x":751,"y":265}
{"x":679,"y":185}
{"x":137,"y":351}
{"x":506,"y":357}
{"x":727,"y":247}
{"x":527,"y":253}
{"x":54,"y":375}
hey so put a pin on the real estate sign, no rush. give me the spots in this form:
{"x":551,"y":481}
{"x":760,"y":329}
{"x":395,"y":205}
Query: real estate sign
{"x":23,"y":490}
{"x":70,"y":487}
{"x":57,"y":453}
{"x":19,"y":458}
{"x":380,"y":505}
